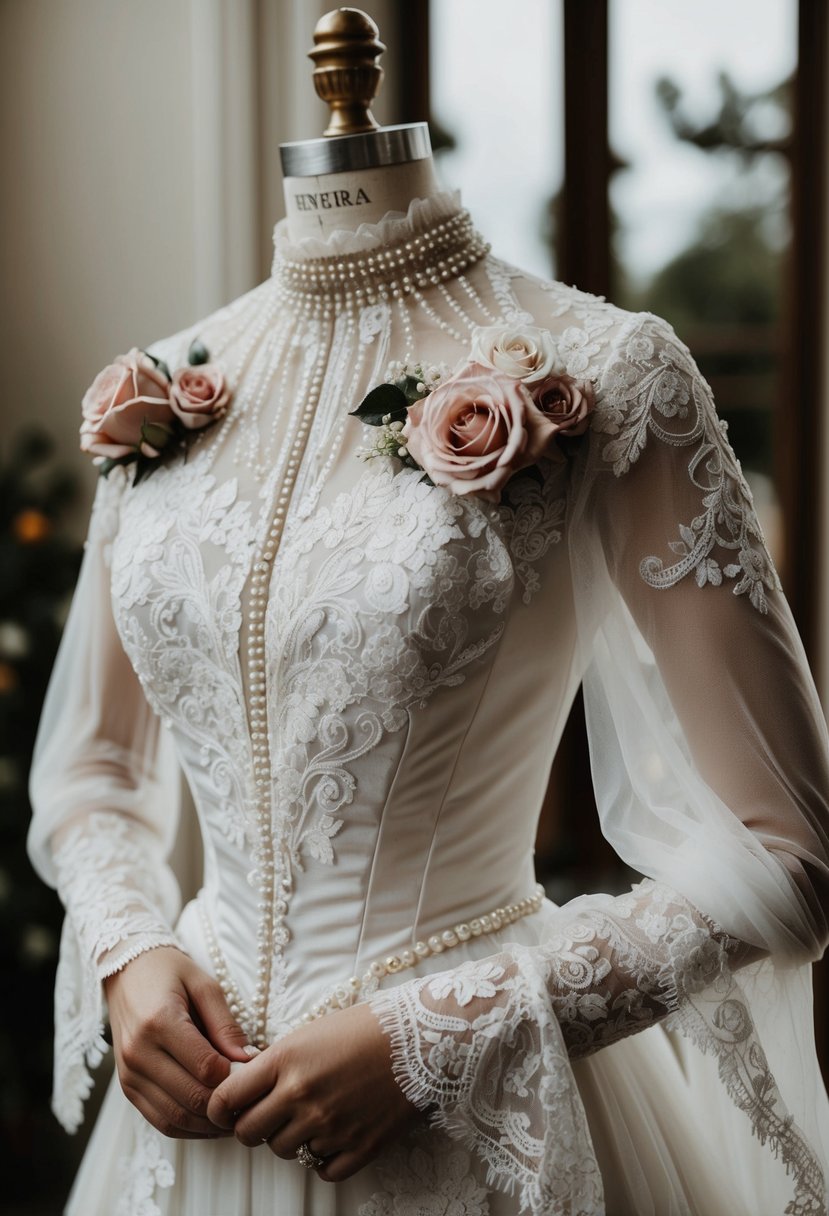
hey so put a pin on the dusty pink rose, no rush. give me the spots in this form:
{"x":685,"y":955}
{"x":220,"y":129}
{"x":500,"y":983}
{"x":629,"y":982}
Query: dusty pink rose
{"x":475,"y":430}
{"x":126,"y":395}
{"x":199,"y":395}
{"x":566,"y":403}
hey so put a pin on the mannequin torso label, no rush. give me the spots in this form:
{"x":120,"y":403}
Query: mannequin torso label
{"x":317,"y":205}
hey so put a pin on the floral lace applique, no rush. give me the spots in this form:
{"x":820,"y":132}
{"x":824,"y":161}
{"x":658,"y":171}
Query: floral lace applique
{"x":533,"y":516}
{"x":114,"y":885}
{"x":428,"y":1180}
{"x":499,"y":274}
{"x":114,"y":889}
{"x":652,"y":385}
{"x":485,"y":1047}
{"x":180,"y":626}
{"x":147,"y":1168}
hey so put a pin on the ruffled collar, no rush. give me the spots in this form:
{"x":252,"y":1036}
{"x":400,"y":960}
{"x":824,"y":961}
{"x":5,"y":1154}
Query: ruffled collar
{"x":394,"y":227}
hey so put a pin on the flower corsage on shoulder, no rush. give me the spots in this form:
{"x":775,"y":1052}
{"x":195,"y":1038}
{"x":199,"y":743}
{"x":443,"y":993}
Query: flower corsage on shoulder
{"x":138,"y":412}
{"x":505,"y":408}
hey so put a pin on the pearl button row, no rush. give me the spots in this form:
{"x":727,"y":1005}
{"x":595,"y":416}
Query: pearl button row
{"x":343,"y":995}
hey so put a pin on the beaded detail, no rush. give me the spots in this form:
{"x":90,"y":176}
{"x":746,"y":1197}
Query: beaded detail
{"x":322,"y":287}
{"x":348,"y":993}
{"x":272,"y":873}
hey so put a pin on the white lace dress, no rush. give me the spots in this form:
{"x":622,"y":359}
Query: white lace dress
{"x":364,"y":678}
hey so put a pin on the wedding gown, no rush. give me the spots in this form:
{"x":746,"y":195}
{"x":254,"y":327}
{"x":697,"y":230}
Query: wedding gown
{"x":364,"y":678}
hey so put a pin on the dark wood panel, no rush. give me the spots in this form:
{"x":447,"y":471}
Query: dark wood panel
{"x":801,"y":426}
{"x":583,"y":244}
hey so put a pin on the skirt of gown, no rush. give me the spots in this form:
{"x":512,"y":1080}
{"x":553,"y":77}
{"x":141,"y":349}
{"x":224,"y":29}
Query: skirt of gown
{"x":667,"y":1140}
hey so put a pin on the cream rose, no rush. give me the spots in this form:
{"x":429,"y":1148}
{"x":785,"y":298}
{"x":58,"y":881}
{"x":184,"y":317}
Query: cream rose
{"x":522,"y":351}
{"x":475,"y":430}
{"x":126,"y":395}
{"x":199,"y":395}
{"x":566,"y":403}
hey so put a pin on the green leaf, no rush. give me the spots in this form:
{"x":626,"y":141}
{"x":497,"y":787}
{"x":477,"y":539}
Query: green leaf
{"x":408,"y":387}
{"x":383,"y":400}
{"x":143,"y":466}
{"x":109,"y":463}
{"x":156,"y":434}
{"x":198,"y":353}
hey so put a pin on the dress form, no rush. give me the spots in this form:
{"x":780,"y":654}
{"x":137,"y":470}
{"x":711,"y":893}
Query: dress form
{"x":358,"y":171}
{"x":365,"y":679}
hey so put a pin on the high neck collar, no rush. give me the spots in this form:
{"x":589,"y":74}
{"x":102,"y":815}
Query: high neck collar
{"x":399,"y":255}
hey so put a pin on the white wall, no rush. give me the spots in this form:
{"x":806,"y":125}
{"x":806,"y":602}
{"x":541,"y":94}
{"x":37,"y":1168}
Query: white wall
{"x":96,"y":207}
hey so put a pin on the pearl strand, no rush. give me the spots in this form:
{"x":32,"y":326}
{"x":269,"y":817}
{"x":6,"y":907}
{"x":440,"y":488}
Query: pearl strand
{"x":408,"y":335}
{"x":273,"y":879}
{"x":474,"y":296}
{"x":265,"y":368}
{"x":343,"y":995}
{"x":456,"y":307}
{"x":438,"y":320}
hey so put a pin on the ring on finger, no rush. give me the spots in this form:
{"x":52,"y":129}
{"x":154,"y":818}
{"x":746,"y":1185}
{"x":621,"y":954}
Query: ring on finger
{"x":305,"y":1156}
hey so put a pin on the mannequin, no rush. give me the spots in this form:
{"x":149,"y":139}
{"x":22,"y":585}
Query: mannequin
{"x":358,"y":171}
{"x":364,"y":674}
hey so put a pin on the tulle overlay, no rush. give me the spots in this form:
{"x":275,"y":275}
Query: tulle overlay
{"x":371,"y":773}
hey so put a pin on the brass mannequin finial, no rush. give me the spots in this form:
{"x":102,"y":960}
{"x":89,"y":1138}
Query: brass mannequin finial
{"x":346,"y":73}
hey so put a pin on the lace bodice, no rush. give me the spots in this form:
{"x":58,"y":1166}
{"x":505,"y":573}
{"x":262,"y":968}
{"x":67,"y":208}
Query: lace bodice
{"x":364,"y":678}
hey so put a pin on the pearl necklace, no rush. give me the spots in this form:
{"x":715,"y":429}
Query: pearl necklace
{"x":322,"y":287}
{"x":348,"y":993}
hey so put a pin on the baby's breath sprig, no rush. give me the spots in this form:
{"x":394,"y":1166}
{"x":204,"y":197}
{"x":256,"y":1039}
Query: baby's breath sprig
{"x":387,"y":405}
{"x":389,"y":442}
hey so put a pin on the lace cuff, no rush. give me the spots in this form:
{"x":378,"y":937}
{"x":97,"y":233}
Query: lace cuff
{"x":114,"y":889}
{"x":485,"y":1048}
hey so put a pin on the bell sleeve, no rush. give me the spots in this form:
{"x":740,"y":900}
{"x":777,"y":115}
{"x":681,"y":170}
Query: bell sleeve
{"x":104,"y":788}
{"x":710,"y":761}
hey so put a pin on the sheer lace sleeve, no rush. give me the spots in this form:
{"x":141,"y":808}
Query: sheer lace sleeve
{"x":710,"y":761}
{"x":104,"y":790}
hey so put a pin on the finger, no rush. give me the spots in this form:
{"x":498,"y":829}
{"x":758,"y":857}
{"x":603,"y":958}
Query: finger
{"x":342,"y":1165}
{"x":285,"y":1141}
{"x":241,"y":1089}
{"x":171,"y":1030}
{"x":184,"y":1042}
{"x":166,"y":1116}
{"x":262,"y":1122}
{"x":214,"y":1016}
{"x":168,"y":1075}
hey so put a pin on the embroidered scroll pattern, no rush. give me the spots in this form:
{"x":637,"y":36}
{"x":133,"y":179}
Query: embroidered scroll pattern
{"x":652,"y":386}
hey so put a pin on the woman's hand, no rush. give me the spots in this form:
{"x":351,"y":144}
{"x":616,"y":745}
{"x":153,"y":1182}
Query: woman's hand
{"x":328,"y":1085}
{"x":174,"y":1038}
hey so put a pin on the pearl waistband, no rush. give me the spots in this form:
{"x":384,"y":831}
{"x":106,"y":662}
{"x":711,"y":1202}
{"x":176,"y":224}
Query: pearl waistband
{"x":347,"y":993}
